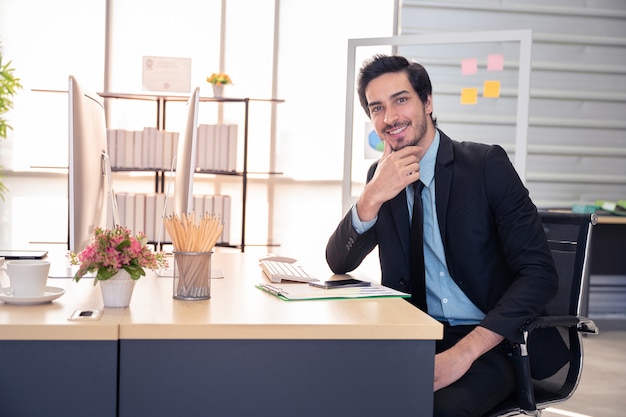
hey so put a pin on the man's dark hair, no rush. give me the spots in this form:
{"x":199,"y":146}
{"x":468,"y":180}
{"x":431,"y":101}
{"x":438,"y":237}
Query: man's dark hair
{"x":382,"y":64}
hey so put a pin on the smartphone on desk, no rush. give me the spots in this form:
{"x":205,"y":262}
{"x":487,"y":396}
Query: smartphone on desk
{"x":340,"y":283}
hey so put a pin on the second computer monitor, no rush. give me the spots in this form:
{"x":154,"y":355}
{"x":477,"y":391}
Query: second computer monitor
{"x":186,"y":157}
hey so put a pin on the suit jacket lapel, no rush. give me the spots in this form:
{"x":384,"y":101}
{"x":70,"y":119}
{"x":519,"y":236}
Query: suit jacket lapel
{"x":443,"y":180}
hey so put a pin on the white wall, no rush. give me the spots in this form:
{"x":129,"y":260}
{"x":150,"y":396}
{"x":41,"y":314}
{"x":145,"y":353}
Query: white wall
{"x":297,"y":54}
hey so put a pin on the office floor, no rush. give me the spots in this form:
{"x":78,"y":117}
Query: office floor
{"x":603,"y":383}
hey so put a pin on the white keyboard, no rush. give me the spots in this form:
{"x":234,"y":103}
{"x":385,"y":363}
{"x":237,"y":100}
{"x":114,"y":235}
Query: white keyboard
{"x":277,"y":271}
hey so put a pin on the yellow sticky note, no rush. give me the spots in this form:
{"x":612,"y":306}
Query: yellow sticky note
{"x":469,"y":95}
{"x":491,"y":89}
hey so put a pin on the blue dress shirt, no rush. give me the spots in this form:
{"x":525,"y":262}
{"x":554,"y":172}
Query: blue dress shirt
{"x":445,"y":300}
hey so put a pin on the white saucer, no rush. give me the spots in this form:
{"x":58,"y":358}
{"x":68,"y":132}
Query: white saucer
{"x":52,"y":293}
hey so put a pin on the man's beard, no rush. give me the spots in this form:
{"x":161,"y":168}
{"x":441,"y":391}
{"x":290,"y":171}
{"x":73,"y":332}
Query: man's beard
{"x":420,"y":132}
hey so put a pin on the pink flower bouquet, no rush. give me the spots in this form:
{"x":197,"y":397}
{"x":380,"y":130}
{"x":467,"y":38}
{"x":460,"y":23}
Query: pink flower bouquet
{"x":112,"y":250}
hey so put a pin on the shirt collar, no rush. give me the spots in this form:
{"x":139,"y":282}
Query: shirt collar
{"x":427,"y":164}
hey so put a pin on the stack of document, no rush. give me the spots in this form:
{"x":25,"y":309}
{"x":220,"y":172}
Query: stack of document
{"x":303,"y":291}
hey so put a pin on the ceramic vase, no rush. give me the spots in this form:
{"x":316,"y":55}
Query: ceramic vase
{"x":218,"y":90}
{"x":117,"y":290}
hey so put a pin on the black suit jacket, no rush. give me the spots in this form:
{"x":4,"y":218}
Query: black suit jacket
{"x":494,"y":242}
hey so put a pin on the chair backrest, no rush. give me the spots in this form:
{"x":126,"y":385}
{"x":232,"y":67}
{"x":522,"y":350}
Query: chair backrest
{"x":569,"y":237}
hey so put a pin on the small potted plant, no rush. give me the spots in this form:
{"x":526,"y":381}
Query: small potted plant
{"x":119,"y":259}
{"x":218,"y":80}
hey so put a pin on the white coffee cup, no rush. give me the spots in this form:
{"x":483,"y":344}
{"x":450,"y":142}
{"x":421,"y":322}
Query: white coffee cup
{"x":28,"y":277}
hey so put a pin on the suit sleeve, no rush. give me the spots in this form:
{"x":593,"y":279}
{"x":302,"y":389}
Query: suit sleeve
{"x":534,"y":281}
{"x":346,"y":248}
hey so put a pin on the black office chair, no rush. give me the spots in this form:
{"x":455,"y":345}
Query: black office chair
{"x":568,"y":236}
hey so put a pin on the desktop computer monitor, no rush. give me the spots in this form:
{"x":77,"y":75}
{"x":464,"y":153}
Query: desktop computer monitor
{"x":88,"y":166}
{"x":186,"y":157}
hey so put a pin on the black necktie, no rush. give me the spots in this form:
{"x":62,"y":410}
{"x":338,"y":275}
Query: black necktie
{"x":418,"y":276}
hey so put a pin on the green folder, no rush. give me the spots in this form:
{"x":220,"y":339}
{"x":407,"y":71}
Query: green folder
{"x":304,"y":291}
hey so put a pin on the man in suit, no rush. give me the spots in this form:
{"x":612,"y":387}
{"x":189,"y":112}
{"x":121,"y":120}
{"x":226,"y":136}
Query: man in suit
{"x":487,"y":265}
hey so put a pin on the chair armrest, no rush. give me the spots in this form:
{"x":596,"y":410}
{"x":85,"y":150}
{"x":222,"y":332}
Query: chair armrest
{"x":543,"y":322}
{"x":582,"y":324}
{"x":587,"y":325}
{"x":523,"y":381}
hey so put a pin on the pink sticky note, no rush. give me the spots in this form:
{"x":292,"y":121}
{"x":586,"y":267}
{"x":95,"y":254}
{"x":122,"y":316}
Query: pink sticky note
{"x":469,"y":66}
{"x":495,"y":62}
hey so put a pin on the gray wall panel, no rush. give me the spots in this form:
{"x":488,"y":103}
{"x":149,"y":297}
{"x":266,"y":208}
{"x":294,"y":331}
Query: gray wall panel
{"x":577,"y":114}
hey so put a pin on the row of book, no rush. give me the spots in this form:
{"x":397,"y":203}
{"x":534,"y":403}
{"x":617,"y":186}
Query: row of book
{"x":151,"y":148}
{"x":217,"y":147}
{"x":144,"y":213}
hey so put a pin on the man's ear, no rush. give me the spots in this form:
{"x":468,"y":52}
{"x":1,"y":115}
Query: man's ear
{"x":428,"y":106}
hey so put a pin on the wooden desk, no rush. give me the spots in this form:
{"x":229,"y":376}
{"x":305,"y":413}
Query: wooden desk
{"x":54,"y":367}
{"x":611,"y":219}
{"x":241,"y":353}
{"x":245,"y":352}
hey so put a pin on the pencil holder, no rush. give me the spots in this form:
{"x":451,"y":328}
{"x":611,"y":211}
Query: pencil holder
{"x":192,"y":272}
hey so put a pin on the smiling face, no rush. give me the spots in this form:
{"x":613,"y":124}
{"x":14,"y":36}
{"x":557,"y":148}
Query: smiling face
{"x":398,"y":115}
